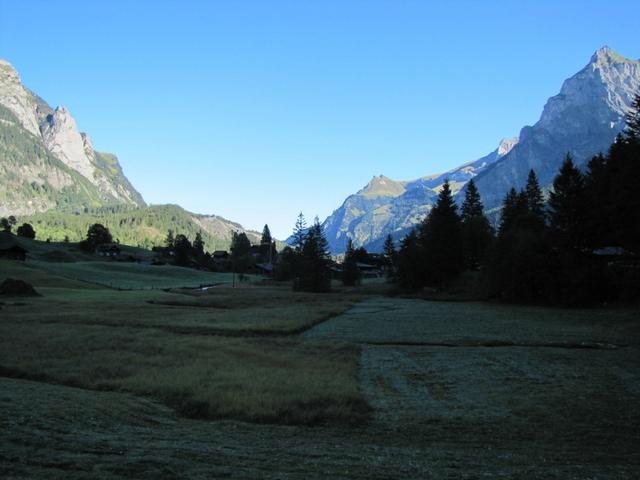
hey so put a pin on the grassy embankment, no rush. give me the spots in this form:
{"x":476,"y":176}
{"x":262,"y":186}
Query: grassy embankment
{"x":221,"y":353}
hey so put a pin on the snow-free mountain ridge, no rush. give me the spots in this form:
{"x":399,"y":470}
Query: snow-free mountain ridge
{"x":583,"y":120}
{"x":49,"y":168}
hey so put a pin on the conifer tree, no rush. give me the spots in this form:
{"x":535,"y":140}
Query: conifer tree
{"x":477,"y":233}
{"x":535,"y":201}
{"x":198,"y":245}
{"x":391,"y":255}
{"x":441,"y":239}
{"x":472,"y":205}
{"x":510,"y":212}
{"x":299,"y":233}
{"x":410,"y":273}
{"x":267,"y":245}
{"x":350,"y":271}
{"x":266,"y":236}
{"x":567,"y":207}
{"x":314,"y":267}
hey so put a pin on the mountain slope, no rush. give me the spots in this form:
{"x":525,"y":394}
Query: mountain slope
{"x":46,"y":162}
{"x":386,"y":206}
{"x":51,"y":176}
{"x":144,"y":226}
{"x":583,"y":119}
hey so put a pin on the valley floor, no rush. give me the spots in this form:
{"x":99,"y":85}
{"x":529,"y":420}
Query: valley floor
{"x":458,"y":390}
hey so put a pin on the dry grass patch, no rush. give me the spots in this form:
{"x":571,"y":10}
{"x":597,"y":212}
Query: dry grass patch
{"x":260,"y":380}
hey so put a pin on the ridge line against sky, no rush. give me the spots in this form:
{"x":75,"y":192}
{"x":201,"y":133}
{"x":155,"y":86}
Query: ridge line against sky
{"x":258,"y":110}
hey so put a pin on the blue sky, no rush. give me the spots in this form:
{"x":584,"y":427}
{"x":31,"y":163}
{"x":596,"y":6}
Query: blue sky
{"x":259,"y":110}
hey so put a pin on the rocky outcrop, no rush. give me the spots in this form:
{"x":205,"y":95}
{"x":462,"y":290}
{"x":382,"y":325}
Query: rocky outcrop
{"x":62,"y":138}
{"x":47,"y":162}
{"x":17,"y":99}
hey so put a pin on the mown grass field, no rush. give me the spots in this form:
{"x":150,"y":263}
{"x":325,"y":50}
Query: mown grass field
{"x":221,"y":353}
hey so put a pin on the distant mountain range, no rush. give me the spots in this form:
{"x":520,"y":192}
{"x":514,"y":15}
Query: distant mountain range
{"x":583,"y":120}
{"x":50,"y":171}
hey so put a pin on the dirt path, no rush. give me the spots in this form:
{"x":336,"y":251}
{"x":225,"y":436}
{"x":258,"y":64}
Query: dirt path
{"x":469,"y":412}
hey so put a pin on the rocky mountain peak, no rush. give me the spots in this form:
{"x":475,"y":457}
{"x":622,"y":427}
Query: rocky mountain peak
{"x":8,"y":71}
{"x":609,"y":78}
{"x":383,"y":187}
{"x":17,"y":99}
{"x":607,"y":56}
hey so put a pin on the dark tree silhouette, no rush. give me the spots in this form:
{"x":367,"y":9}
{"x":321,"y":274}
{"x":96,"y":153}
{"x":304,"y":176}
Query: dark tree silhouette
{"x":267,"y":245}
{"x":98,"y":234}
{"x":182,"y":248}
{"x":26,"y":230}
{"x":299,"y":233}
{"x":350,"y":271}
{"x":535,"y":201}
{"x":568,"y":207}
{"x":314,"y":273}
{"x":477,"y":233}
{"x":391,"y":256}
{"x":5,"y":225}
{"x":410,"y":273}
{"x":198,"y":245}
{"x":441,"y":239}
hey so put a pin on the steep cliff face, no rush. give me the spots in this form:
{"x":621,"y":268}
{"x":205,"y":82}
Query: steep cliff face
{"x":47,"y":162}
{"x":583,"y":120}
{"x":17,"y":99}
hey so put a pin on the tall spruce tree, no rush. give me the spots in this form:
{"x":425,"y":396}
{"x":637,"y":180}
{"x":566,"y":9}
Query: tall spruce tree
{"x":266,"y":245}
{"x":314,"y":267}
{"x":391,"y":256}
{"x":441,"y":239}
{"x":266,"y":236}
{"x":299,"y":233}
{"x":198,"y":245}
{"x":535,"y":201}
{"x":410,"y":272}
{"x":568,"y":207}
{"x":510,"y":212}
{"x":477,"y":233}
